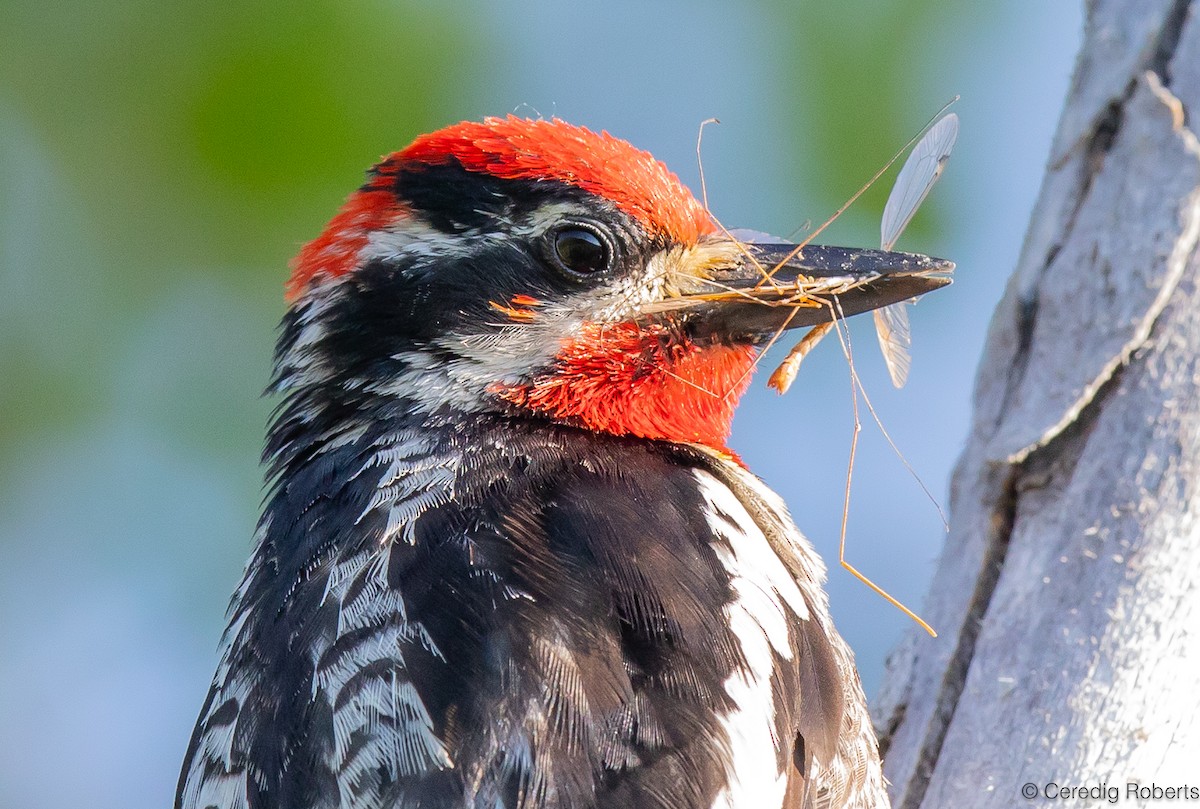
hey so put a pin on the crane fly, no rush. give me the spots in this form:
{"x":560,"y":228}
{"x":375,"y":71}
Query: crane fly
{"x":913,"y":183}
{"x":916,"y":178}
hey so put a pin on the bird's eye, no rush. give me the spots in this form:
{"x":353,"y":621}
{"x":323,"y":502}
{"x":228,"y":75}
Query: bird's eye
{"x":580,"y":251}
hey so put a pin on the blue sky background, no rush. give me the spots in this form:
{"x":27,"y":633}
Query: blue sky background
{"x":159,"y":162}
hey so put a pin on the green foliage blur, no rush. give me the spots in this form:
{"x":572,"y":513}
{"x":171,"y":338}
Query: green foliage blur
{"x":196,"y":138}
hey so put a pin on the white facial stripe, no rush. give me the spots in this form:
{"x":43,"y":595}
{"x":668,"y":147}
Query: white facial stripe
{"x":549,"y":215}
{"x":462,"y":369}
{"x":508,"y":352}
{"x":408,"y":237}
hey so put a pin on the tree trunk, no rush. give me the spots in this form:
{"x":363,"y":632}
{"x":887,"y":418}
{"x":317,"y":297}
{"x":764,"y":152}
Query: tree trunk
{"x":1068,"y":594}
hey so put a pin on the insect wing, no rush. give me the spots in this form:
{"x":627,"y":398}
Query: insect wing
{"x":916,"y":177}
{"x":913,"y":183}
{"x":895,"y":340}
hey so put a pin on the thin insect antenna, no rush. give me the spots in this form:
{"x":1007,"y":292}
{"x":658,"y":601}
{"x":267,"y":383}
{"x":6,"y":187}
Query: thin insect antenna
{"x":866,"y":185}
{"x":855,"y":387}
{"x":700,"y":161}
{"x":704,"y":198}
{"x":803,"y":226}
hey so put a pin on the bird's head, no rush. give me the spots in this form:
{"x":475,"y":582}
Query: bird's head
{"x":535,"y":267}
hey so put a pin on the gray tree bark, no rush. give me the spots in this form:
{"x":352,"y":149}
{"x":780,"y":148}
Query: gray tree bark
{"x":1068,"y":594}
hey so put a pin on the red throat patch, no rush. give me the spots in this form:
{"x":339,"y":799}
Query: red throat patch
{"x":627,"y":380}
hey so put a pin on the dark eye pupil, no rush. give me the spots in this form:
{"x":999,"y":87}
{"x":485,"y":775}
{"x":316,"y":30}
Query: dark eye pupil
{"x":581,"y":251}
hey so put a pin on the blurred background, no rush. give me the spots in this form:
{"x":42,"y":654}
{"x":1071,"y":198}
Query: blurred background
{"x":160,"y":161}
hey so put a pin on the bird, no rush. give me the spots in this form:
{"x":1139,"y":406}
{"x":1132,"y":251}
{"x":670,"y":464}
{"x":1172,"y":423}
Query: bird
{"x":506,"y":558}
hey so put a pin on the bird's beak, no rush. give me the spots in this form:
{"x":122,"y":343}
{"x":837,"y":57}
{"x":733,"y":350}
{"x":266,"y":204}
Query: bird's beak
{"x":776,"y":286}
